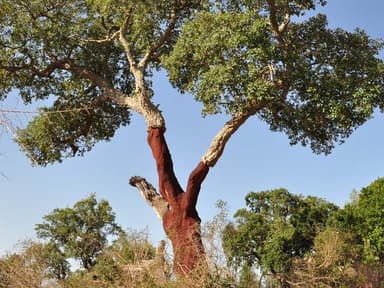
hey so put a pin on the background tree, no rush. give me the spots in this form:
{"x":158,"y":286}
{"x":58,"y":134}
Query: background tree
{"x":371,"y":215}
{"x":25,"y":269}
{"x":362,"y":219}
{"x":243,"y":58}
{"x":276,"y":227}
{"x":80,"y":232}
{"x":332,"y":262}
{"x":57,"y":262}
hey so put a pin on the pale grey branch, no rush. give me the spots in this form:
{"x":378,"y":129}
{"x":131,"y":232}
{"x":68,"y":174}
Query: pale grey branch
{"x":149,"y":193}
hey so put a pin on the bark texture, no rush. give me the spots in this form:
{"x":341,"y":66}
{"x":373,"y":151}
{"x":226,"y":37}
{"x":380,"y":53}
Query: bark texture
{"x":181,"y":221}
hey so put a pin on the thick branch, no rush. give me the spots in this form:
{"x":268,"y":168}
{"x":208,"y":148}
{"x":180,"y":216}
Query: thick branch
{"x":218,"y":143}
{"x":169,"y":186}
{"x":149,"y":193}
{"x":284,"y":25}
{"x":194,"y":184}
{"x":142,"y":103}
{"x":109,"y":92}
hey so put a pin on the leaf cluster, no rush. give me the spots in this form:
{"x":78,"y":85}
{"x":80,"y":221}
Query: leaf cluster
{"x":70,"y":127}
{"x":222,"y":58}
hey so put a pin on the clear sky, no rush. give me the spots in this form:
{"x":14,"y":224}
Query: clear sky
{"x":255,"y":159}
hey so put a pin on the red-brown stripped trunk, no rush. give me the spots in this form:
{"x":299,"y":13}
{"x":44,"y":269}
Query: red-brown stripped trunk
{"x":181,"y":221}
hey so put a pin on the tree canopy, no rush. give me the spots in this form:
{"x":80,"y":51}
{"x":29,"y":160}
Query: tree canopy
{"x":240,"y":57}
{"x":94,"y":60}
{"x":275,"y":227}
{"x":80,"y":232}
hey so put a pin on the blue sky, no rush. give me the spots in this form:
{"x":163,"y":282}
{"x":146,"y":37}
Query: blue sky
{"x":255,"y":159}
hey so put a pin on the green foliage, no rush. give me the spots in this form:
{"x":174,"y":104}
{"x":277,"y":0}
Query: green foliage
{"x":221,"y":58}
{"x":107,"y":268}
{"x":56,"y":32}
{"x":332,"y":263}
{"x":120,"y":265}
{"x":37,"y":38}
{"x":248,"y":278}
{"x":275,"y":227}
{"x":133,"y":247}
{"x":26,"y":268}
{"x":58,"y":266}
{"x":54,"y":135}
{"x":371,"y":210}
{"x":364,"y":219}
{"x":311,"y":82}
{"x":80,"y":232}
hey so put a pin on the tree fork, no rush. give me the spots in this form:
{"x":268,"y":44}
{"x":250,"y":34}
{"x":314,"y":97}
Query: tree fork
{"x":175,"y":207}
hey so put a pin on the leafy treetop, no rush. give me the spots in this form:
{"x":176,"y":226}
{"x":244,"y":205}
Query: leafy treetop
{"x":236,"y":56}
{"x":275,"y":227}
{"x":80,"y":232}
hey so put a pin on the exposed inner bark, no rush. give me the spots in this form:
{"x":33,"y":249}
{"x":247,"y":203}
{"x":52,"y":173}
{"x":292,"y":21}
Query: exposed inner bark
{"x":181,"y":221}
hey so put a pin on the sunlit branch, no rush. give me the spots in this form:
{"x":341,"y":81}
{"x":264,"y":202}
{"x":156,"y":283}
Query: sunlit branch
{"x":123,"y":40}
{"x":284,"y":25}
{"x":277,"y":28}
{"x":108,"y":38}
{"x":109,"y":92}
{"x":218,"y":143}
{"x":149,"y":193}
{"x":163,"y":39}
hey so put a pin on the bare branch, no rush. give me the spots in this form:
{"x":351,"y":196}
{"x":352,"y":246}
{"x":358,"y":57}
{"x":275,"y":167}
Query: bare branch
{"x":8,"y":125}
{"x":218,"y":143}
{"x":140,"y":104}
{"x":164,"y":38}
{"x":109,"y":91}
{"x":278,"y":29}
{"x":284,"y":25}
{"x":126,"y":45}
{"x":149,"y":193}
{"x":108,"y":38}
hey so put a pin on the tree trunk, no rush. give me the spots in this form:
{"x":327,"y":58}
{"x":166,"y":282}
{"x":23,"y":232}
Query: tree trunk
{"x":181,"y":221}
{"x":182,"y":226}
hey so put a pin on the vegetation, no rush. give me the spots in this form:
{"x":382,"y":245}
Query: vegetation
{"x":80,"y":232}
{"x":95,"y":59}
{"x":296,"y":241}
{"x":276,"y":227}
{"x":279,"y":240}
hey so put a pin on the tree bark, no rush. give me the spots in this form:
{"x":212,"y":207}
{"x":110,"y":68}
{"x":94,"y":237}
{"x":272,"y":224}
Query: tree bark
{"x":181,"y":221}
